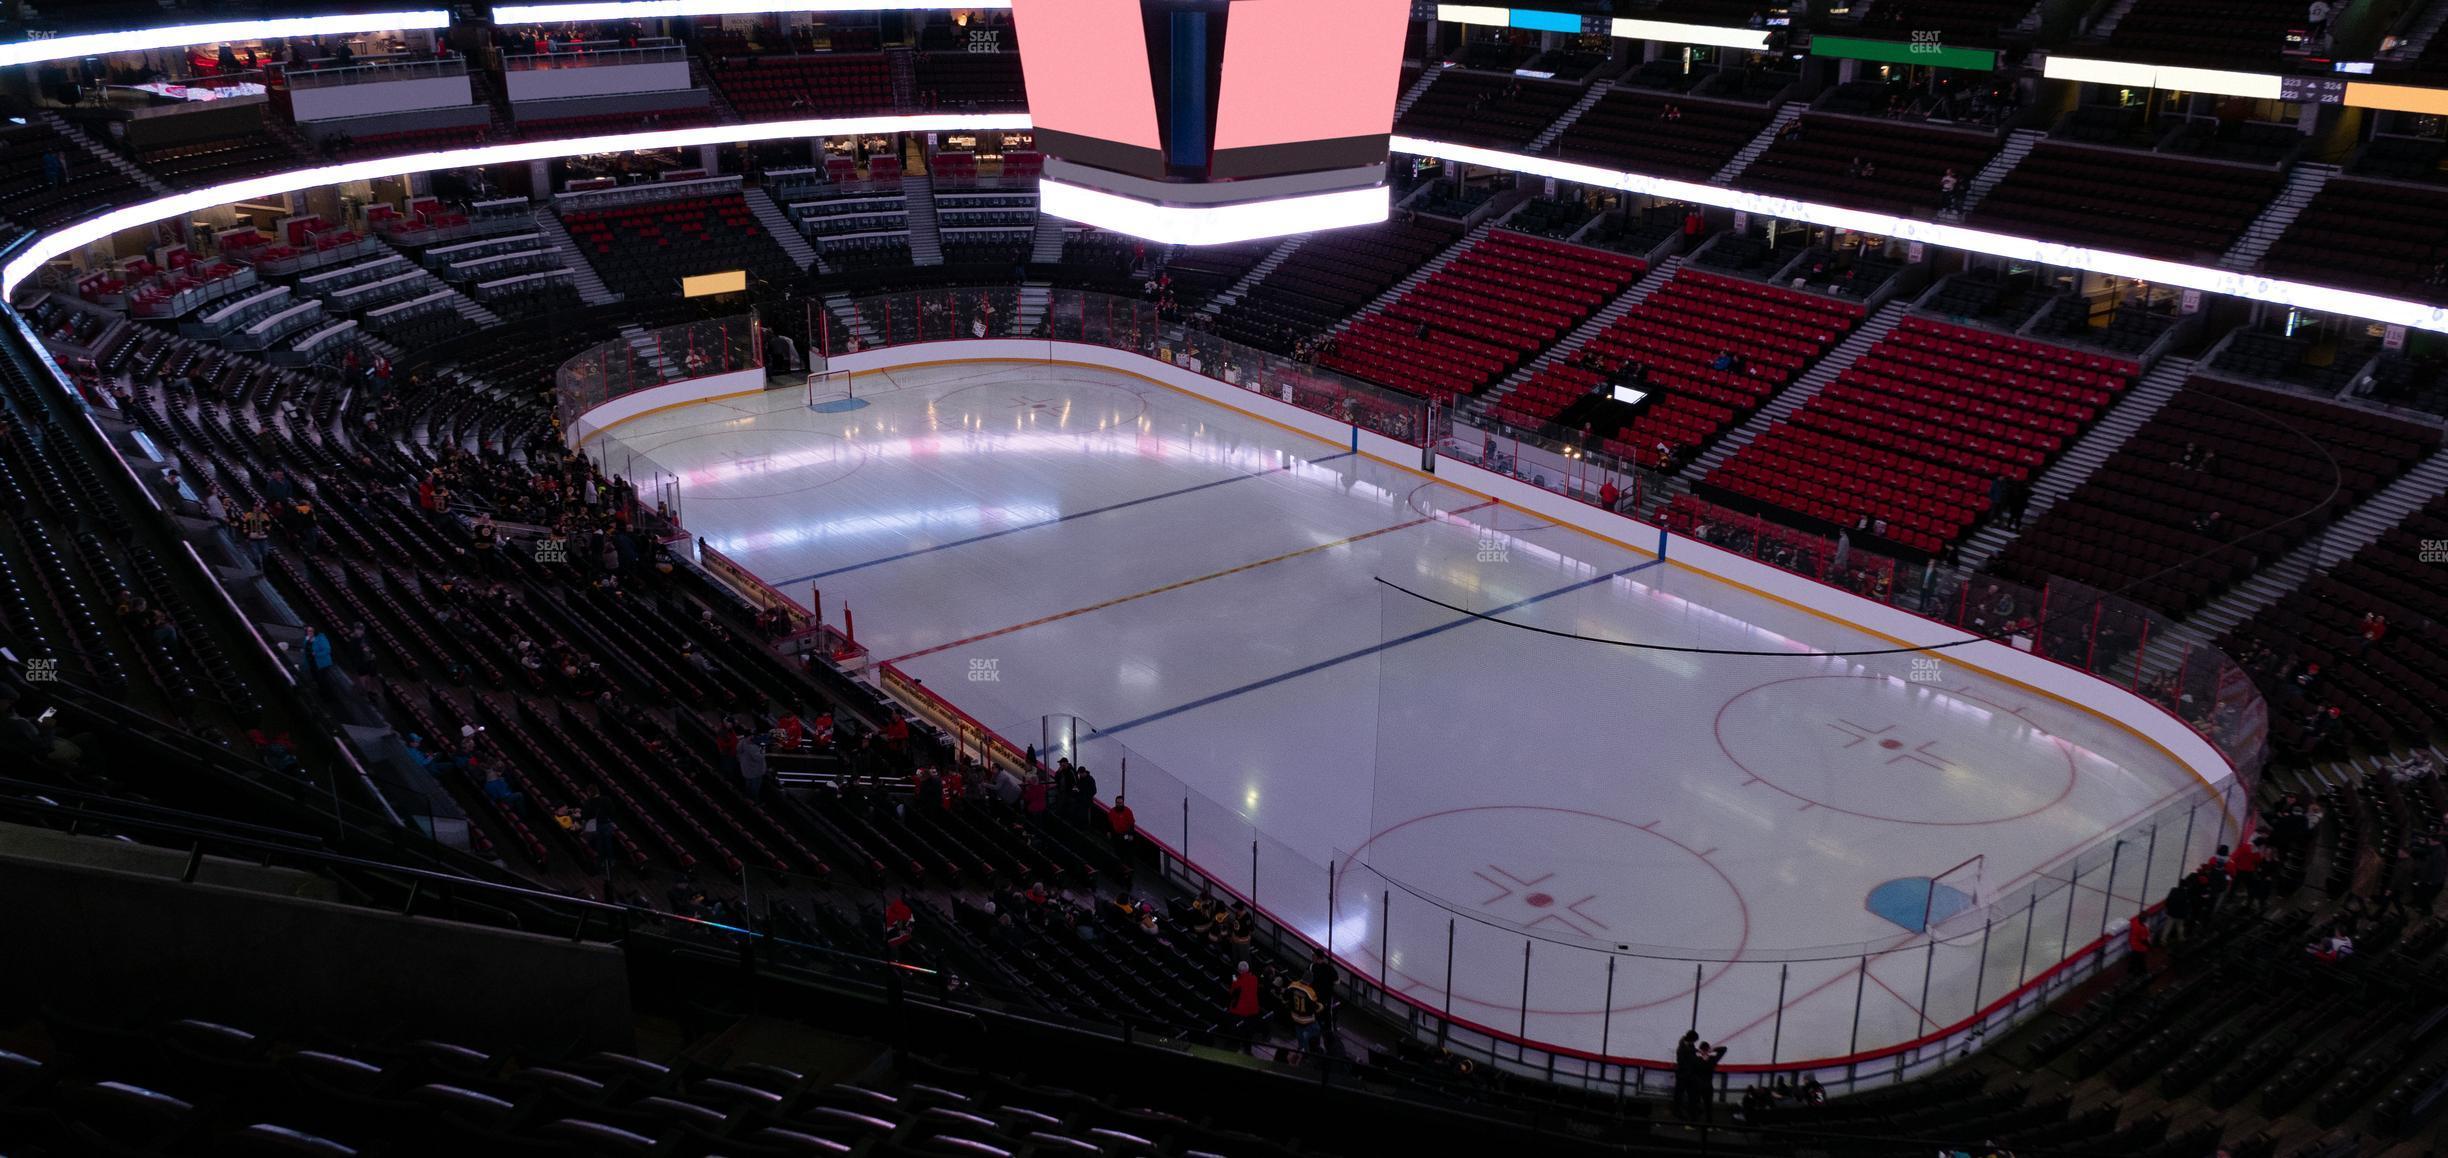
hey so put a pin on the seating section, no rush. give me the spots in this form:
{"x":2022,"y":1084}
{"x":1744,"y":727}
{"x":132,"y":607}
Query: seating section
{"x":2141,"y":518}
{"x":676,"y":117}
{"x":978,"y":81}
{"x":411,"y":141}
{"x":986,"y":228}
{"x":1667,"y":136}
{"x":646,"y":249}
{"x":2128,"y":201}
{"x":1493,"y":307}
{"x":48,"y":180}
{"x":1673,"y":336}
{"x":771,"y":87}
{"x":1494,"y":111}
{"x":1907,"y":163}
{"x":2235,"y":34}
{"x":1916,"y":430}
{"x":2385,"y":238}
{"x":1201,"y":272}
{"x":1328,"y":277}
{"x":217,"y":160}
{"x":1957,"y":23}
{"x":2393,"y":693}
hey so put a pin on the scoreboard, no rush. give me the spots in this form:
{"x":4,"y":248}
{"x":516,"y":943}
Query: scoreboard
{"x":1213,"y":120}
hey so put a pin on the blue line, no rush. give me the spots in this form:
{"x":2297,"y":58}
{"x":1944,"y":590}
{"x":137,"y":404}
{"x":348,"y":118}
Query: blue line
{"x":1051,"y":522}
{"x":1373,"y":649}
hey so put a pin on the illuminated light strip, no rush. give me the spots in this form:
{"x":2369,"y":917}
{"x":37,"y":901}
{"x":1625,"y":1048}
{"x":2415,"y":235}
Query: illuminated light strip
{"x":175,"y":35}
{"x":1475,"y":14}
{"x":2217,"y":81}
{"x":1217,"y":224}
{"x":1748,"y":38}
{"x":2393,"y":311}
{"x":648,"y":9}
{"x":178,"y":206}
{"x":2397,"y":98}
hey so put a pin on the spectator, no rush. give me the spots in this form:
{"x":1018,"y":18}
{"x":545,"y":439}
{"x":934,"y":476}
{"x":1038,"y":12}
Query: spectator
{"x":2316,"y":22}
{"x":2137,"y":948}
{"x":1241,"y":1002}
{"x":255,"y":528}
{"x":900,"y":925}
{"x":752,"y":765}
{"x":498,"y":790}
{"x":1950,"y":191}
{"x":1303,"y":1007}
{"x":37,"y":737}
{"x":2374,"y":629}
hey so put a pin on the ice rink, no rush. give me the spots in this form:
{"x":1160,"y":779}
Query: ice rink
{"x":1620,"y":833}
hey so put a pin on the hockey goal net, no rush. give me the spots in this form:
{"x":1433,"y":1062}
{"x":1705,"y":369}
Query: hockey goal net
{"x":828,"y":388}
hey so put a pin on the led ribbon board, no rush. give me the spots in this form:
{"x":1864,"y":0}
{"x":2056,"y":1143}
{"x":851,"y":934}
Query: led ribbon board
{"x":505,"y":14}
{"x":176,"y":35}
{"x":179,"y":206}
{"x":2393,"y":311}
{"x":1185,"y":224}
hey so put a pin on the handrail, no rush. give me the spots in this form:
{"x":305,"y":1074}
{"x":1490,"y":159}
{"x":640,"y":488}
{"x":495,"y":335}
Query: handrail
{"x":592,"y":58}
{"x":317,"y":855}
{"x":375,"y":72}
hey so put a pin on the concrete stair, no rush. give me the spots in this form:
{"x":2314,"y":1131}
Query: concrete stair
{"x":1580,"y":335}
{"x":926,"y":243}
{"x":2357,"y":529}
{"x":2107,"y":24}
{"x":2303,"y":184}
{"x":1597,"y":92}
{"x":1047,"y":246}
{"x":2419,"y":37}
{"x":1785,"y":115}
{"x":101,"y":152}
{"x":1034,"y":297}
{"x":724,"y":114}
{"x":1429,"y":268}
{"x":591,"y":287}
{"x":904,"y":66}
{"x":838,"y":305}
{"x":2018,"y":146}
{"x":2091,"y":449}
{"x":1411,"y":96}
{"x":780,"y":227}
{"x":1257,"y":273}
{"x":650,"y":352}
{"x":1783,"y":405}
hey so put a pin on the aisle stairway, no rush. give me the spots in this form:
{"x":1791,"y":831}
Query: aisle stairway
{"x":1257,"y":273}
{"x":1596,"y":93}
{"x":1047,"y":246}
{"x":101,"y":152}
{"x":926,"y":244}
{"x":2074,"y":468}
{"x":778,"y":225}
{"x":1790,"y":399}
{"x":1580,"y":335}
{"x":2353,"y":531}
{"x":2018,"y":146}
{"x":1759,"y":144}
{"x":2303,"y":184}
{"x":1428,"y":270}
{"x":591,"y":287}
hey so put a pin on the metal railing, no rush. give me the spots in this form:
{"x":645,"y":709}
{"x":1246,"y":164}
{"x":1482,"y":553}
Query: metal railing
{"x":594,"y":58}
{"x":377,"y":72}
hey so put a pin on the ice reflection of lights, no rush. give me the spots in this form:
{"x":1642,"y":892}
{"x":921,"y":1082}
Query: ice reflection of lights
{"x":968,"y":515}
{"x":1048,"y":443}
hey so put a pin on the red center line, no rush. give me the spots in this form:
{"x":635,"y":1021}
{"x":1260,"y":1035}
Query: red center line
{"x":1060,"y":615}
